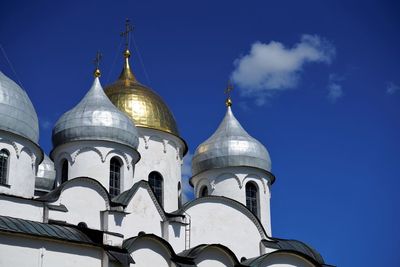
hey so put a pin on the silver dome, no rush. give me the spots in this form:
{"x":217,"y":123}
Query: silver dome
{"x":17,"y":114}
{"x":95,"y":118}
{"x":230,"y":146}
{"x":46,"y":175}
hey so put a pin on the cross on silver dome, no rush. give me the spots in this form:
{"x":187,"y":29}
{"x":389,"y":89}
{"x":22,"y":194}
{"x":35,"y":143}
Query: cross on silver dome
{"x":230,"y":146}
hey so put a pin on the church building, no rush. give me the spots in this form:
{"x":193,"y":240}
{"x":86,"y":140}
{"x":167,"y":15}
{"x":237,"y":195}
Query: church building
{"x":109,"y":194}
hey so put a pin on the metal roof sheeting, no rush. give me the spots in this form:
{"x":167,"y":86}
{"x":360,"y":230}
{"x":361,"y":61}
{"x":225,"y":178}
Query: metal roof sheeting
{"x":294,"y":245}
{"x":15,"y":225}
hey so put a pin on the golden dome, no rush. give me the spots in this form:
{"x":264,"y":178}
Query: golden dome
{"x":144,"y":106}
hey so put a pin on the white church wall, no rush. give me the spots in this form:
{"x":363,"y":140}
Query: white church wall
{"x":21,"y":208}
{"x":25,"y":251}
{"x":23,"y":161}
{"x":84,"y":200}
{"x":228,"y":185}
{"x":213,"y":222}
{"x":141,"y":215}
{"x":176,"y":236}
{"x":161,"y":152}
{"x":231,"y":182}
{"x":92,"y":159}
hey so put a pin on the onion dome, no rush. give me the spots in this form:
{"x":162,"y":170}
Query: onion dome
{"x":46,"y":175}
{"x":95,"y":118}
{"x":17,"y":114}
{"x":144,"y":106}
{"x":230,"y":146}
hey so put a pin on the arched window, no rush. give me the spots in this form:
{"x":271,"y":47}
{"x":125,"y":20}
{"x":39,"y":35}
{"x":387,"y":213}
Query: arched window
{"x":252,"y":197}
{"x":64,"y":171}
{"x":204,"y":191}
{"x":156,"y":184}
{"x":4,"y":156}
{"x":115,"y":176}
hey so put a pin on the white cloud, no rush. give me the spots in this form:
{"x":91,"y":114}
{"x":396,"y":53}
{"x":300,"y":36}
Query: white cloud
{"x":271,"y":68}
{"x":392,"y":88}
{"x":187,"y":190}
{"x":335,"y":90}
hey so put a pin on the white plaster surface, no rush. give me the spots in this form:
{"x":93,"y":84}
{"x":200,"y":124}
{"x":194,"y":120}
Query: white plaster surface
{"x":148,"y":253}
{"x":213,"y":223}
{"x":21,"y":208}
{"x":92,"y":159}
{"x":23,"y":251}
{"x":140,"y":215}
{"x":161,"y":152}
{"x":84,"y":202}
{"x":231,"y":182}
{"x":22,"y":165}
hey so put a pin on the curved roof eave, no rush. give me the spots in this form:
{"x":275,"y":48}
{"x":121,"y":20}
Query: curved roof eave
{"x":55,"y":194}
{"x":128,"y":245}
{"x":293,"y":245}
{"x":194,"y":252}
{"x":254,"y":262}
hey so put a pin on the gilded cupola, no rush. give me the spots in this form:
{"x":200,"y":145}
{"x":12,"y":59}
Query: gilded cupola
{"x":144,"y":106}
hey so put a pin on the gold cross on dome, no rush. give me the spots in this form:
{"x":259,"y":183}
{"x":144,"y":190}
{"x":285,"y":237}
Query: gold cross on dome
{"x":97,"y":64}
{"x":228,"y":91}
{"x":126,"y":33}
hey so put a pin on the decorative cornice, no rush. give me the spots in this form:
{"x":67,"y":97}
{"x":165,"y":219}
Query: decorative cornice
{"x":84,"y":149}
{"x":119,"y":153}
{"x":256,"y":177}
{"x":30,"y":154}
{"x":13,"y":144}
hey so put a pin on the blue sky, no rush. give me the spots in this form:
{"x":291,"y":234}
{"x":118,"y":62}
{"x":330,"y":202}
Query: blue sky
{"x":317,"y":82}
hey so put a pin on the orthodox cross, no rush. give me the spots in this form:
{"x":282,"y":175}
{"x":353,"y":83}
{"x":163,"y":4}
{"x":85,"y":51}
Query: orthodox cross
{"x":126,"y":33}
{"x":228,"y":91}
{"x":97,"y":64}
{"x":97,"y":59}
